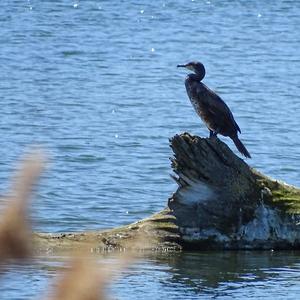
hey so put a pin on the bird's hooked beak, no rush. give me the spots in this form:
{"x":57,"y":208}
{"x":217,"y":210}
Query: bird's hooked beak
{"x":188,"y":66}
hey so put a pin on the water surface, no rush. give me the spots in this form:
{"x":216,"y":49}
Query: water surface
{"x":95,"y":83}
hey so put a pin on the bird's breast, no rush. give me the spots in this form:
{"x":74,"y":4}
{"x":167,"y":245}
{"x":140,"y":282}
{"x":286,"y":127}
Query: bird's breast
{"x":194,"y":91}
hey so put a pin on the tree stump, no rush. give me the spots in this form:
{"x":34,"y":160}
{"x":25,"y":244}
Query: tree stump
{"x":222,"y":203}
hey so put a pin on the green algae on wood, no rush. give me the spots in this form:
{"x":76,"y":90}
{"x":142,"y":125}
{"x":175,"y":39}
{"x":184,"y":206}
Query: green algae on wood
{"x":280,"y":195}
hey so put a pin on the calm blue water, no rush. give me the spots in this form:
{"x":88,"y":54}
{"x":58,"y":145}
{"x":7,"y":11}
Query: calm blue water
{"x":95,"y":83}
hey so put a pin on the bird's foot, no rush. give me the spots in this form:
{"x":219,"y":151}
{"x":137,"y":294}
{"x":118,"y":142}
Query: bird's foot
{"x":212,"y":134}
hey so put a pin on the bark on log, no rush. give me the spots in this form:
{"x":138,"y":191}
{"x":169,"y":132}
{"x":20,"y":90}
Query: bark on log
{"x":221,"y":203}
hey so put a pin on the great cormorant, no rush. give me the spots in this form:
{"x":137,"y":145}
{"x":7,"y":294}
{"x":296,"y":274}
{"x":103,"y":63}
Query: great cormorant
{"x":210,"y":107}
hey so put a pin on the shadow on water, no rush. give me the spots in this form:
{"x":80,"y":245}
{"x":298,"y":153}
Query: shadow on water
{"x":222,"y":275}
{"x":206,"y":270}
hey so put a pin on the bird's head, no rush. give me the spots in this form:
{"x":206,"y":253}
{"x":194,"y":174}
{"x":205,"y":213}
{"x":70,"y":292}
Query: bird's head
{"x":194,"y":66}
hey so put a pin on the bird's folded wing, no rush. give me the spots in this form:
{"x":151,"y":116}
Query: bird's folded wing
{"x":217,"y":107}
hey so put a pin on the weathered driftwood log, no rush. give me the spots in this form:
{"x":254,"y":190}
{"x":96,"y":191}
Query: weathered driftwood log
{"x":221,"y":203}
{"x":158,"y":232}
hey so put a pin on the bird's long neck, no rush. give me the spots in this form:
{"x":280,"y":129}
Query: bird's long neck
{"x":195,"y":77}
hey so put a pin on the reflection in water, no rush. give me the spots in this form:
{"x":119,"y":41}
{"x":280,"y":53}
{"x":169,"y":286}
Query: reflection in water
{"x":193,"y":275}
{"x":211,"y":273}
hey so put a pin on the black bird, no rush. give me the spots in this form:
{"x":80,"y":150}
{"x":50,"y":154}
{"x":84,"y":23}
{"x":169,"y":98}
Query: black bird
{"x":210,"y":107}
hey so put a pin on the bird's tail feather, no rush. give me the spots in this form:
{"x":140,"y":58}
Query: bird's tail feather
{"x":241,"y":147}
